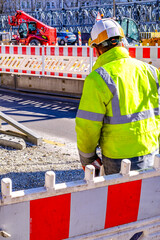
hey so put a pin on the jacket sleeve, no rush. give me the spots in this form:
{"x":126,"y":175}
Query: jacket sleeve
{"x":90,"y":115}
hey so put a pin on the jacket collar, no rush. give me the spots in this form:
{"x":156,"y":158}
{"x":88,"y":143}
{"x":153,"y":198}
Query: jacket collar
{"x":111,"y":55}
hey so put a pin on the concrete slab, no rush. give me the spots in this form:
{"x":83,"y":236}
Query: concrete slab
{"x":11,"y":141}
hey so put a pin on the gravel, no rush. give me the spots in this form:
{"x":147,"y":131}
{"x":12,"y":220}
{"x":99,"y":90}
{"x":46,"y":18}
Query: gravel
{"x":27,"y":167}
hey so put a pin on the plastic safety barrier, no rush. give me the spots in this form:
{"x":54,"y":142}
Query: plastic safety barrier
{"x":149,"y":54}
{"x":71,"y":62}
{"x":46,"y":60}
{"x":118,"y":207}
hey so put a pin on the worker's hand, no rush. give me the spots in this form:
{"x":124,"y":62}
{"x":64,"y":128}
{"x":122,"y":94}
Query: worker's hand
{"x":97,"y":164}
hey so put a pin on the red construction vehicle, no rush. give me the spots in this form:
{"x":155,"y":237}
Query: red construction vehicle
{"x":31,"y":31}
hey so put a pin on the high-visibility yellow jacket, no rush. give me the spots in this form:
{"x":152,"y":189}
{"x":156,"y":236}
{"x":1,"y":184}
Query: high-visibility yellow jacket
{"x":119,"y":107}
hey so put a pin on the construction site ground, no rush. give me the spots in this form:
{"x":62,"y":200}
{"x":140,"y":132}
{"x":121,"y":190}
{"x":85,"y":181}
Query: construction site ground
{"x":54,"y":121}
{"x":27,"y":167}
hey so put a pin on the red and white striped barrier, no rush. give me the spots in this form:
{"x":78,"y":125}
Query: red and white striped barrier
{"x":73,"y":51}
{"x":79,"y":39}
{"x":71,"y":62}
{"x":149,"y":54}
{"x":85,"y":209}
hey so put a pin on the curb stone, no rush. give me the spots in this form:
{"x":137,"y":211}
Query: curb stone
{"x":12,"y":141}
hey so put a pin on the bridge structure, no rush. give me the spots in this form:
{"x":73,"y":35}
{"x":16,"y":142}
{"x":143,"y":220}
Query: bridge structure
{"x":145,"y":13}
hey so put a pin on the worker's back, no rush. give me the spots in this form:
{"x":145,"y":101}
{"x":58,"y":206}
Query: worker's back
{"x":130,"y":120}
{"x":128,"y":89}
{"x":119,"y":108}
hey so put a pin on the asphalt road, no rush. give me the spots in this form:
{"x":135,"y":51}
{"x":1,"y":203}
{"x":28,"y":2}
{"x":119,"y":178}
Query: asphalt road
{"x":48,"y":116}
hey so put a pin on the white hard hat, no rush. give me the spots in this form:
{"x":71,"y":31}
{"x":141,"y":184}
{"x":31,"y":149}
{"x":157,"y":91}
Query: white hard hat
{"x":105,"y":29}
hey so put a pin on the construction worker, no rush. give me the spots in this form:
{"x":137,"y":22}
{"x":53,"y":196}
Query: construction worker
{"x":119,"y":108}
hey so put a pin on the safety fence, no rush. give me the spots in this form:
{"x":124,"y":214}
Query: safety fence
{"x":66,"y":61}
{"x":117,"y":207}
{"x":46,"y":60}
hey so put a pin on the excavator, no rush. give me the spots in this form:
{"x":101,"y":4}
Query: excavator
{"x":131,"y":30}
{"x":31,"y":31}
{"x":134,"y":37}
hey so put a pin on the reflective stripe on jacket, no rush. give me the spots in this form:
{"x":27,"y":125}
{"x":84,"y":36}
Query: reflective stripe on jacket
{"x":119,"y":107}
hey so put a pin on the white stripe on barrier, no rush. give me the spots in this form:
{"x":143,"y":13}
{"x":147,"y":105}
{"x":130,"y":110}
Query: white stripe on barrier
{"x":150,"y":198}
{"x":64,"y":74}
{"x":56,"y":74}
{"x":154,"y":53}
{"x":28,"y":50}
{"x":15,"y":220}
{"x":74,"y":52}
{"x":139,"y":53}
{"x":65,"y":51}
{"x":37,"y":51}
{"x":84,"y":52}
{"x":11,"y":50}
{"x":56,"y":51}
{"x":48,"y":51}
{"x":90,"y":214}
{"x":20,"y":51}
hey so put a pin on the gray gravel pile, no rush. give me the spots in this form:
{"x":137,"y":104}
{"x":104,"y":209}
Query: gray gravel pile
{"x":27,"y":167}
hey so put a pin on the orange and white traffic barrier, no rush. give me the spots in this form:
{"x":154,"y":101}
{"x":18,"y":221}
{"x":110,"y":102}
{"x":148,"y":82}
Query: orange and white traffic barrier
{"x":66,"y":61}
{"x":112,"y":207}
